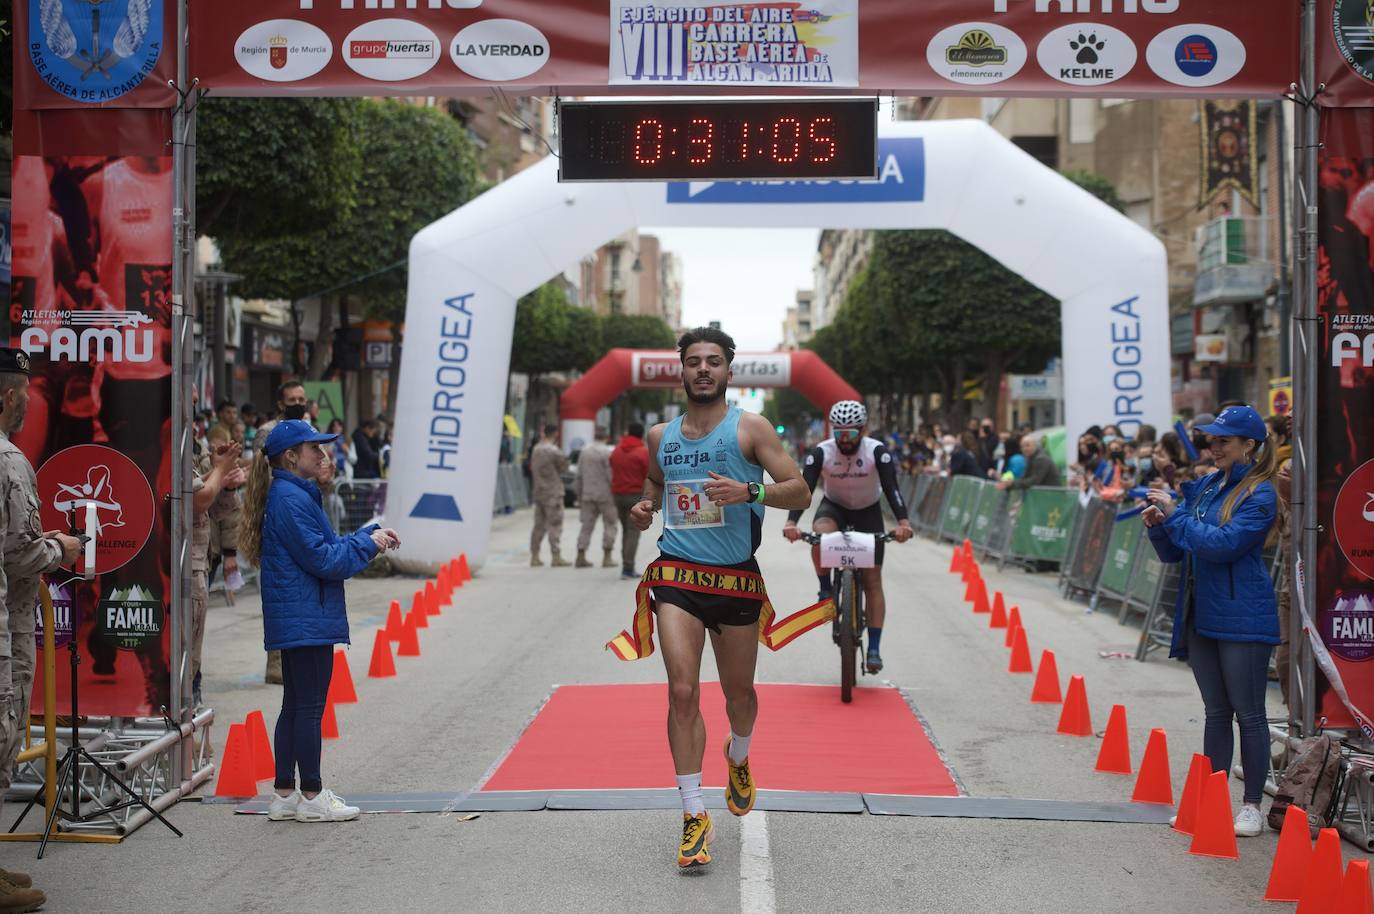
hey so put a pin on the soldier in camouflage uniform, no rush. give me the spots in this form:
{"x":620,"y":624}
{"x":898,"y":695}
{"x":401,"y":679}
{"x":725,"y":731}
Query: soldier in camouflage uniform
{"x":215,"y":505}
{"x":28,"y":552}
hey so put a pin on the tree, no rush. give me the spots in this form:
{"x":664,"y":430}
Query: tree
{"x":268,"y":167}
{"x":1098,"y":186}
{"x":636,"y":331}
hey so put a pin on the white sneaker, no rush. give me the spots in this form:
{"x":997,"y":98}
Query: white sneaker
{"x":325,"y":807}
{"x":1249,"y":822}
{"x":283,"y":809}
{"x":1173,"y":820}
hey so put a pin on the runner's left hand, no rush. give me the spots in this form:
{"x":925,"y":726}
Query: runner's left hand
{"x":724,"y":491}
{"x":902,"y":532}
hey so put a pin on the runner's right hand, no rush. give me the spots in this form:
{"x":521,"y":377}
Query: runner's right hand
{"x":642,"y":514}
{"x":791,"y":531}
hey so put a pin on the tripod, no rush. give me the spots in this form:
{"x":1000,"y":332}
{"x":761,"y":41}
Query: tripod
{"x":69,"y":769}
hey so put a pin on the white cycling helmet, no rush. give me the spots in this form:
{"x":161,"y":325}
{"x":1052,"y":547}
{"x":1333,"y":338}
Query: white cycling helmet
{"x":848,"y":414}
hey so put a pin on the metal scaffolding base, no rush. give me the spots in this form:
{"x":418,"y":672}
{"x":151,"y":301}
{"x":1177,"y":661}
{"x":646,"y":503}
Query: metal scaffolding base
{"x":140,"y":752}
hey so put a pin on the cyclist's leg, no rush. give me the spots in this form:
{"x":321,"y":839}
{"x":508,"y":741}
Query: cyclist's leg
{"x":682,"y":637}
{"x":737,"y":650}
{"x":875,"y":606}
{"x":822,"y":524}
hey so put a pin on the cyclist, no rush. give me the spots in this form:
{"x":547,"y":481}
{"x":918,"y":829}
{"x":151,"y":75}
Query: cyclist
{"x":853,"y":471}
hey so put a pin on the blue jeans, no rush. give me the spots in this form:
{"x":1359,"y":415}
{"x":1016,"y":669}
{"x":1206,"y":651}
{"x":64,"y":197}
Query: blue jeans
{"x":305,"y":673}
{"x":1233,"y":677}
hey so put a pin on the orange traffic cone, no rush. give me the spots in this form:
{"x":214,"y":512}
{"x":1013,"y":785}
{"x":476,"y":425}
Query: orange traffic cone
{"x":1020,"y":653}
{"x":431,"y":599}
{"x":236,"y":766}
{"x":967,"y":548}
{"x":1115,"y":755}
{"x":419,"y":613}
{"x":974,"y":584}
{"x":454,"y":576}
{"x":1013,"y":623}
{"x":999,"y":612}
{"x":1185,"y":817}
{"x":1355,"y":897}
{"x":1153,"y":785}
{"x":408,"y":645}
{"x":341,"y":690}
{"x":1323,"y":880}
{"x":382,"y":666}
{"x":444,"y":587}
{"x":1075,"y":719}
{"x":1214,"y":832}
{"x":956,"y":561}
{"x":329,"y":724}
{"x":980,"y":597}
{"x":264,"y":764}
{"x":464,"y":573}
{"x":1046,"y":688}
{"x":1292,"y":858}
{"x":393,"y":621}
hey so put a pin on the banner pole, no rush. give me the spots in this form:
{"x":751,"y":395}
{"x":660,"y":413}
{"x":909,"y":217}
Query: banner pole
{"x":1305,"y":357}
{"x":183,"y":317}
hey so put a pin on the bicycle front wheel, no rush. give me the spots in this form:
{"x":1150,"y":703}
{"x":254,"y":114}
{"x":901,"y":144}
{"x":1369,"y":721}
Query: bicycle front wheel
{"x":846,"y":608}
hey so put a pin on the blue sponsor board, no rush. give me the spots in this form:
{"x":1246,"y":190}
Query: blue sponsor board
{"x":901,"y":179}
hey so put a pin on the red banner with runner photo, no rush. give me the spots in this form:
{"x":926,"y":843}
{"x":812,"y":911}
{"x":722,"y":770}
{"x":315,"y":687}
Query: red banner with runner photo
{"x":90,"y":302}
{"x":1345,"y":402}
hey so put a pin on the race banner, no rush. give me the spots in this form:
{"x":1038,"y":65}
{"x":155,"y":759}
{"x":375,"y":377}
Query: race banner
{"x":1044,"y":524}
{"x":90,"y":301}
{"x":1344,"y":602}
{"x":1202,"y":48}
{"x":748,"y":44}
{"x":1345,"y":52}
{"x":1229,"y":157}
{"x":94,"y":53}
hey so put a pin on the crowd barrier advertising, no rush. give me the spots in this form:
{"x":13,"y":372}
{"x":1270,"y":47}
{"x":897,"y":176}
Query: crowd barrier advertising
{"x":91,"y":303}
{"x":1345,"y":402}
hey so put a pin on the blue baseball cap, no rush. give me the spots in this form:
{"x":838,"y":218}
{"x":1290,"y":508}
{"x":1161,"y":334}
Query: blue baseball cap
{"x":1238,"y":422}
{"x":291,"y":432}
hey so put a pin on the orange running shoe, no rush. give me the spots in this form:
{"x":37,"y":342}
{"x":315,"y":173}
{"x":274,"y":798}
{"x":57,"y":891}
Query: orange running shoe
{"x":739,"y":787}
{"x":697,"y":835}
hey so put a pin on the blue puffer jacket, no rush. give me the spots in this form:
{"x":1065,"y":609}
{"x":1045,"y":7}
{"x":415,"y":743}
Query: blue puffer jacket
{"x":1233,"y":595}
{"x":304,"y":564}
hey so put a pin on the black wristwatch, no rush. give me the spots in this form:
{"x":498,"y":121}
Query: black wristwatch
{"x":753,"y":492}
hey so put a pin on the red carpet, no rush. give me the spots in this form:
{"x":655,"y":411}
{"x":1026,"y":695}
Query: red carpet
{"x":612,"y":737}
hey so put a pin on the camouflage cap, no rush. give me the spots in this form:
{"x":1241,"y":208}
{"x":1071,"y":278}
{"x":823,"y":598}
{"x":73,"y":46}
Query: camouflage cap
{"x":13,"y":361}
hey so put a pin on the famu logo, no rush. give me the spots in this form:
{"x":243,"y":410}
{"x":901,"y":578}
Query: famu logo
{"x":131,"y":617}
{"x":1350,"y":628}
{"x":1352,"y":21}
{"x":93,"y":336}
{"x":976,"y":49}
{"x":94,"y":50}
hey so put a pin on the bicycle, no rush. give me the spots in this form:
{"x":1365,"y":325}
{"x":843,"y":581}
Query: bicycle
{"x":849,"y":624}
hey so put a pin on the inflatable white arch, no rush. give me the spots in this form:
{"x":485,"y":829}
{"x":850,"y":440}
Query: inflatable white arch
{"x":468,"y":269}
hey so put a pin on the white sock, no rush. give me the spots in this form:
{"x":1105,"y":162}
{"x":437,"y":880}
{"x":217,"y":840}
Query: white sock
{"x":689,"y":785}
{"x":739,"y":747}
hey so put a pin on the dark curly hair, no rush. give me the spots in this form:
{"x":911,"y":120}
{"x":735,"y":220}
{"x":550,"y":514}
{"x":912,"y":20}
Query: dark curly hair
{"x":706,"y":335}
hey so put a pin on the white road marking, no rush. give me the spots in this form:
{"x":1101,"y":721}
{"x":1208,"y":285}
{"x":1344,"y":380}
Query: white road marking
{"x":755,"y":866}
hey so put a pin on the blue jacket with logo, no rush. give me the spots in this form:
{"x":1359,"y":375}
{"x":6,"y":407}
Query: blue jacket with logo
{"x":1233,"y":595}
{"x":303,"y":566}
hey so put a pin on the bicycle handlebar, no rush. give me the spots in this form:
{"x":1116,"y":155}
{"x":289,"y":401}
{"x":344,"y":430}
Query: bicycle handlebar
{"x":815,"y":538}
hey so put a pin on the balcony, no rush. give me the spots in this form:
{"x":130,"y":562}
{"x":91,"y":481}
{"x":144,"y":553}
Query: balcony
{"x":1234,"y":263}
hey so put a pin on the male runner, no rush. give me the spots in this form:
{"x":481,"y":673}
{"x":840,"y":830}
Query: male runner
{"x":707,"y":474}
{"x":852,"y":470}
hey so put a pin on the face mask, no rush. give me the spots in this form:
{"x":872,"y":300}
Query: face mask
{"x":1144,"y":463}
{"x":1108,"y":439}
{"x":947,"y":448}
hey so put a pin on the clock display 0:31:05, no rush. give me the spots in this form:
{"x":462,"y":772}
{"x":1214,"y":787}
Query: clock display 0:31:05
{"x":781,"y":140}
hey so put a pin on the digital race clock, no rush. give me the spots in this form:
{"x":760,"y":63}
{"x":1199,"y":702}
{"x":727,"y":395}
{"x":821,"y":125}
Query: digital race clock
{"x":707,"y":140}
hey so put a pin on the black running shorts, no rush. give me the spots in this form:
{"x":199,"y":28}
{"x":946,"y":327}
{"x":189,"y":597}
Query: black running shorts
{"x":714,"y":610}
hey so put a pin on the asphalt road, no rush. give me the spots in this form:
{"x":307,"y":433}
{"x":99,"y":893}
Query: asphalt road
{"x":516,"y":632}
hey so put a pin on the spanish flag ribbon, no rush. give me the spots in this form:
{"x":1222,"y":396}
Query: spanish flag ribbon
{"x":637,"y":642}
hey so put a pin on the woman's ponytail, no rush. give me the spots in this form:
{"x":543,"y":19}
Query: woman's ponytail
{"x":254,"y":506}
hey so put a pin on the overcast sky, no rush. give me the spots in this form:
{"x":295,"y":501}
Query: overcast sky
{"x":744,"y":278}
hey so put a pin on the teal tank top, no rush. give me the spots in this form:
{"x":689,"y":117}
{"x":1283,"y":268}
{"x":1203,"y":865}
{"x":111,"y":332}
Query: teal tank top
{"x":694,"y":529}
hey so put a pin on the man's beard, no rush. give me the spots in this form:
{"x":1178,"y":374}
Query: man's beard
{"x":847,"y":448}
{"x":702,"y":398}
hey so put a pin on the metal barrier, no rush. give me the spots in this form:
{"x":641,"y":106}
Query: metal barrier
{"x":1117,"y":563}
{"x":1044,"y":526}
{"x":1088,"y":545}
{"x":354,"y":503}
{"x":931,"y":505}
{"x":511,"y":489}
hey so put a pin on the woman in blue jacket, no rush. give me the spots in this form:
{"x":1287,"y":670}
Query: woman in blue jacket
{"x":1226,"y":619}
{"x":303,"y":566}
